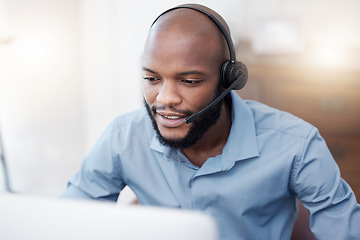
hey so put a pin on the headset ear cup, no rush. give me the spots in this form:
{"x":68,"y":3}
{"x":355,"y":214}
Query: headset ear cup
{"x":234,"y":72}
{"x":223,"y":74}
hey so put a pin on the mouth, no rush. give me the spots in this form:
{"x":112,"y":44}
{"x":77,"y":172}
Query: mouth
{"x":169,"y":119}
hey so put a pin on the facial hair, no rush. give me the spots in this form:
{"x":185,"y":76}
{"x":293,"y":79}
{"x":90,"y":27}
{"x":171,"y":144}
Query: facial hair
{"x":197,"y":130}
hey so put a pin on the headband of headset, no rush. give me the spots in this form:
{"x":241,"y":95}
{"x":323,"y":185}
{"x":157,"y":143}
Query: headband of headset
{"x":214,"y":20}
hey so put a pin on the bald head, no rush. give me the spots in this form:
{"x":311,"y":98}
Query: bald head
{"x":186,"y":22}
{"x":169,"y":15}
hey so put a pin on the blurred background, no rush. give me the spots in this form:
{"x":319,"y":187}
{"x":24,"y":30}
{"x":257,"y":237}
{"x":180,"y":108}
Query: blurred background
{"x":68,"y":67}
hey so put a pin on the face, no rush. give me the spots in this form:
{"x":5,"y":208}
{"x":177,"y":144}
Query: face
{"x":196,"y":131}
{"x":181,"y":76}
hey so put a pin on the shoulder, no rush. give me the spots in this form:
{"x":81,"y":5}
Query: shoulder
{"x":267,"y":118}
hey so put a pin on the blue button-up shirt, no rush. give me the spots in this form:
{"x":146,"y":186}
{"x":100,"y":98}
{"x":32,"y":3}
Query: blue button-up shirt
{"x":270,"y":158}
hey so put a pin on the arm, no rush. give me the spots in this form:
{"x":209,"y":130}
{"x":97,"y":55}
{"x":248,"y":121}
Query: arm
{"x":99,"y":176}
{"x":316,"y":180}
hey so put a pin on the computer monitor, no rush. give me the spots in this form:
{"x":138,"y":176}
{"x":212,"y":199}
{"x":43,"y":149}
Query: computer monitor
{"x":40,"y":218}
{"x":2,"y":178}
{"x":3,"y":171}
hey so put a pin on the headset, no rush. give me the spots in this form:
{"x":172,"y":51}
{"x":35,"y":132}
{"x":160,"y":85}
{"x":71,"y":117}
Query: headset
{"x":233,"y":74}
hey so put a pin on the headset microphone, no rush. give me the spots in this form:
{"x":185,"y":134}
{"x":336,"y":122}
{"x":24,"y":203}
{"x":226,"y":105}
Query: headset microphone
{"x":242,"y":75}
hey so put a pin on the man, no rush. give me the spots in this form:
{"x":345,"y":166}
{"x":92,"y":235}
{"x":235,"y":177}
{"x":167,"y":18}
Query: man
{"x":241,"y":161}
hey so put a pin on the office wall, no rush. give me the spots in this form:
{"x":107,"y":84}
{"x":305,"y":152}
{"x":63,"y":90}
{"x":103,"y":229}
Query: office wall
{"x":73,"y":65}
{"x":41,"y":100}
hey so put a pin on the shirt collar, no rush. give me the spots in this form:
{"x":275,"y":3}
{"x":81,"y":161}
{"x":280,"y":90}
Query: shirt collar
{"x":241,"y":144}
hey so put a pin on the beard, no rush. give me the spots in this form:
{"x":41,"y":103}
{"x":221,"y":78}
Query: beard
{"x":197,"y":130}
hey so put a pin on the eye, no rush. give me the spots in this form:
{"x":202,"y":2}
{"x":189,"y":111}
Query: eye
{"x":191,"y":82}
{"x":151,"y":79}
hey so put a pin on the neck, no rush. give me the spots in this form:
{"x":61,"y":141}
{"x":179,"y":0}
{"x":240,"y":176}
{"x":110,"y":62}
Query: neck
{"x":213,"y":141}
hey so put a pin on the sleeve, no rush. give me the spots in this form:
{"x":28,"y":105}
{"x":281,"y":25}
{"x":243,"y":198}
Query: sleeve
{"x":316,"y":181}
{"x":100,"y":175}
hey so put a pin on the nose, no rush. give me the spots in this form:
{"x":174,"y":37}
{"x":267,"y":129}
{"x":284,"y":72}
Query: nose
{"x":169,"y":94}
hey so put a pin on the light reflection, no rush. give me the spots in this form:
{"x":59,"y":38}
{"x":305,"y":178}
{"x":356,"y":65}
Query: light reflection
{"x":329,"y":56}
